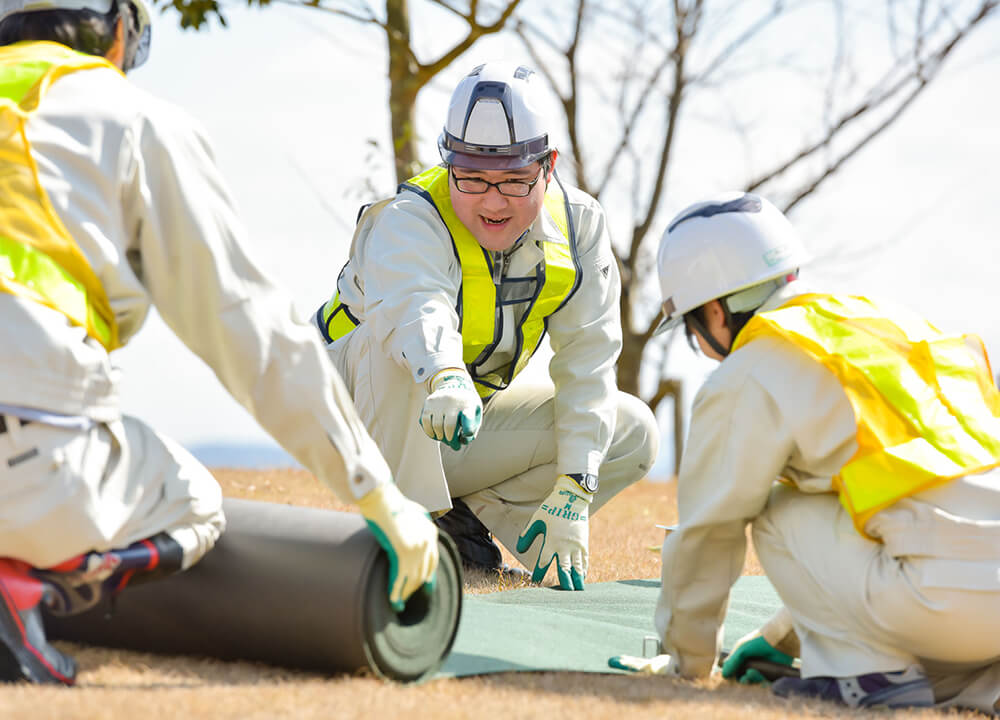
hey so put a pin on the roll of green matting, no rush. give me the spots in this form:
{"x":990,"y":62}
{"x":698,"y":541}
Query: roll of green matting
{"x":290,"y":586}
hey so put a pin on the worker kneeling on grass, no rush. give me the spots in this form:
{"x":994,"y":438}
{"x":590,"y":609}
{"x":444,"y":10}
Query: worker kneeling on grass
{"x":883,"y":537}
{"x":448,"y":291}
{"x":110,"y":202}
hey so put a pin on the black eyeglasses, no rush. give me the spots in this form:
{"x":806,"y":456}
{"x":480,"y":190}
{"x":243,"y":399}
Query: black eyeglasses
{"x":510,"y":188}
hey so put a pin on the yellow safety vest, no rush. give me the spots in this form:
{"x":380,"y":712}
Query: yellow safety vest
{"x":479,"y":306}
{"x":926,"y":408}
{"x":38,"y":258}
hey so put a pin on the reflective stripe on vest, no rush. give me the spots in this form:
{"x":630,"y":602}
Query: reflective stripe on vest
{"x":926,"y":408}
{"x":335,"y":319}
{"x":38,"y":258}
{"x":557,"y":281}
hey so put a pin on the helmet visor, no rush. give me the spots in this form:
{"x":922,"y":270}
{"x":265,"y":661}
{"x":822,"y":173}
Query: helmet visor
{"x":491,"y":157}
{"x":141,"y":47}
{"x":670,"y":318}
{"x":139,"y":34}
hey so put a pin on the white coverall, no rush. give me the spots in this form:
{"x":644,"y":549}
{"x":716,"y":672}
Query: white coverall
{"x":927,"y":593}
{"x":402,"y":283}
{"x":136,"y":185}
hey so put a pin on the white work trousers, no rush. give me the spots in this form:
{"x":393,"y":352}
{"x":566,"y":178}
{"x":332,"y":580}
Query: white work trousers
{"x":859,"y":610}
{"x":509,"y":469}
{"x":64,"y":492}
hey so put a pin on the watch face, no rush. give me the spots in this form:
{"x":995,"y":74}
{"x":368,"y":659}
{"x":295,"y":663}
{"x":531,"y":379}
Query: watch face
{"x":589,"y":483}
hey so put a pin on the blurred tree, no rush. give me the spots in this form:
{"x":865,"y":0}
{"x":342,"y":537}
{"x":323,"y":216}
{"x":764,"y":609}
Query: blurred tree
{"x":636,"y":73}
{"x":407,"y":74}
{"x":631,"y":75}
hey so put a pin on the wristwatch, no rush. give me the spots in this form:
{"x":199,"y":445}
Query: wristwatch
{"x":586,"y":481}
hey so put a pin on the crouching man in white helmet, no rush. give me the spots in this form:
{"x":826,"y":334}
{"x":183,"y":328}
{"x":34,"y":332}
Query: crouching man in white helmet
{"x":110,"y":202}
{"x":449,"y":289}
{"x":882,"y":537}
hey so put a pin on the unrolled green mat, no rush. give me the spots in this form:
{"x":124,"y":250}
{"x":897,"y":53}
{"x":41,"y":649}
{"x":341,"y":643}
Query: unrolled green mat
{"x":547,"y":629}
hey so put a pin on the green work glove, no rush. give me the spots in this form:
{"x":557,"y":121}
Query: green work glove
{"x":659,"y":665}
{"x":453,"y":411}
{"x":562,"y":522}
{"x":754,"y":649}
{"x":405,"y":531}
{"x":762,"y":644}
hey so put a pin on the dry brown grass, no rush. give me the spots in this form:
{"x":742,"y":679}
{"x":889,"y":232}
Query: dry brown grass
{"x":115,"y":685}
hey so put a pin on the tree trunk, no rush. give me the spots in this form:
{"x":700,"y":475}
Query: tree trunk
{"x":404,"y":84}
{"x":629,"y":363}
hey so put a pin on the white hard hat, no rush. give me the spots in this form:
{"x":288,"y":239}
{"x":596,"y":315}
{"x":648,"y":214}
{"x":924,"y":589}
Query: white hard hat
{"x":495,"y":119}
{"x":137,"y":39}
{"x":730,"y":246}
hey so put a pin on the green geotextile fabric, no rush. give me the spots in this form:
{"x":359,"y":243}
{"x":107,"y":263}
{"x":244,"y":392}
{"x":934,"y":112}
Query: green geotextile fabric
{"x":549,"y":629}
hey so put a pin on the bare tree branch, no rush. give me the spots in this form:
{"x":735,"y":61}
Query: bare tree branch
{"x":522,"y":29}
{"x":686,"y":23}
{"x":839,"y":53}
{"x":745,"y":37}
{"x":341,"y":12}
{"x":570,"y":103}
{"x":448,"y":6}
{"x":921,"y":75}
{"x":629,"y":124}
{"x":832,"y":167}
{"x":476,"y":31}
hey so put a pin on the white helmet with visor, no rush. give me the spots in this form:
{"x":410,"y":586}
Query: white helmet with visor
{"x":736,"y":246}
{"x":495,"y":119}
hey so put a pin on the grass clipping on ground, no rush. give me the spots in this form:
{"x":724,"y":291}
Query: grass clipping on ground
{"x":624,"y":543}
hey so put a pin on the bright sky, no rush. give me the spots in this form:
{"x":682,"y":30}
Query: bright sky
{"x":292,"y":100}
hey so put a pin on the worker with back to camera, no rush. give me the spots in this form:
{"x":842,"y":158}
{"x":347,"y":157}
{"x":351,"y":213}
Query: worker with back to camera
{"x":883,"y":537}
{"x":448,"y":291}
{"x":110,"y":203}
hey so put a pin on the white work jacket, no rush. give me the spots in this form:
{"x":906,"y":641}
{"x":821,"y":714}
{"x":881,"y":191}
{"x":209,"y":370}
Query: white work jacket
{"x":135,"y":183}
{"x":769,"y":410}
{"x":403,"y":279}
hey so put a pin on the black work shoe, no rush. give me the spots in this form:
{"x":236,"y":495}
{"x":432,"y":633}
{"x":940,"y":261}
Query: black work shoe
{"x":24,"y":651}
{"x":475,"y":543}
{"x":907,"y":688}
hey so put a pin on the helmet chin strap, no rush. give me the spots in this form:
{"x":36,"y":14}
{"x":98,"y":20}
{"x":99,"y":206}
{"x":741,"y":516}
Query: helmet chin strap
{"x":727,"y":317}
{"x":700,"y":328}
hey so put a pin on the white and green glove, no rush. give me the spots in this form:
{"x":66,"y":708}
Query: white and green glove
{"x":453,"y":411}
{"x":405,"y":531}
{"x":659,"y":665}
{"x":563,"y":524}
{"x":774,"y":643}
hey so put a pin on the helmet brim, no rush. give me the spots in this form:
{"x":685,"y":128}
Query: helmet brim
{"x":486,"y":157}
{"x":667,"y":324}
{"x":486,"y":162}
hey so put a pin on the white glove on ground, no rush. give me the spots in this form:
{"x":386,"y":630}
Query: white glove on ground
{"x":563,"y":522}
{"x":659,"y":665}
{"x":453,"y":411}
{"x":405,"y":531}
